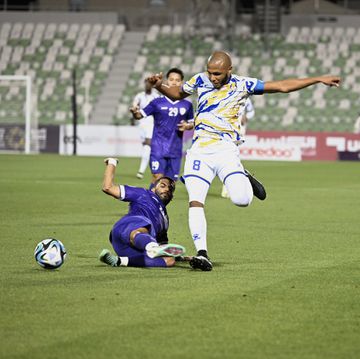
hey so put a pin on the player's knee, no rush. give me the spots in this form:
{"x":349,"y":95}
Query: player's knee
{"x":170,"y":261}
{"x":239,"y":190}
{"x":241,"y":199}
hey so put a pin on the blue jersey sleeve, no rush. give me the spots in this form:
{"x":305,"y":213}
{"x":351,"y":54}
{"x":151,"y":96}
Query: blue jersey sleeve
{"x":254,"y":86}
{"x":150,"y":109}
{"x":131,"y":194}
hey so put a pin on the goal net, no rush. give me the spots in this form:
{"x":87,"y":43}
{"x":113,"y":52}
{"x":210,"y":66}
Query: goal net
{"x":18,"y":118}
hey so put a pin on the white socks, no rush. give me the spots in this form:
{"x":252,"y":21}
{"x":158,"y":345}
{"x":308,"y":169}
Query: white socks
{"x":152,"y":249}
{"x":124,"y":261}
{"x":197,"y":225}
{"x":145,"y":158}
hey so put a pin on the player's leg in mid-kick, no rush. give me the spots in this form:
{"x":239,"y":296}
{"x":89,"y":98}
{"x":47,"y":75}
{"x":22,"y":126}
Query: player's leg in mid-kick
{"x":258,"y":188}
{"x":198,"y":175}
{"x":234,"y":177}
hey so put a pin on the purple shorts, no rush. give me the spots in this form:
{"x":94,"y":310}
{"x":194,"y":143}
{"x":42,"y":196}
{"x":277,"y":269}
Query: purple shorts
{"x":168,"y":166}
{"x":120,"y":234}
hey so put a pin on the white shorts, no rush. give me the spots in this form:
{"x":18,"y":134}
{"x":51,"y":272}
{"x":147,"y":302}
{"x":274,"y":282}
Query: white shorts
{"x":223,"y":160}
{"x":146,"y":126}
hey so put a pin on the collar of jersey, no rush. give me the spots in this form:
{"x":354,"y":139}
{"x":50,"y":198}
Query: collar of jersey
{"x":171,"y":101}
{"x":159,"y":199}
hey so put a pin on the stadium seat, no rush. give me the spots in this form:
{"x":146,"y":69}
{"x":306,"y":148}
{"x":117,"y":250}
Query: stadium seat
{"x":49,"y":52}
{"x":52,"y":51}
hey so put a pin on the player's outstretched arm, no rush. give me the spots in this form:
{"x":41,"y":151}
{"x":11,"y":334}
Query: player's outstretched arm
{"x":290,"y":85}
{"x":108,"y":186}
{"x":173,"y":92}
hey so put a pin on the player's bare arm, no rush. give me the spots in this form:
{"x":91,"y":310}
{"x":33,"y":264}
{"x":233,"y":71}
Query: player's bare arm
{"x":172,"y":92}
{"x":290,"y":85}
{"x":108,"y":186}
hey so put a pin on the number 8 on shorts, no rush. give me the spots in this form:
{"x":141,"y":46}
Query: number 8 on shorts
{"x":196,"y":165}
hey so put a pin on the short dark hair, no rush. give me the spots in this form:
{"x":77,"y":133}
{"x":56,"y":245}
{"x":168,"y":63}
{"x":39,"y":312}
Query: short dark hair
{"x":176,"y":71}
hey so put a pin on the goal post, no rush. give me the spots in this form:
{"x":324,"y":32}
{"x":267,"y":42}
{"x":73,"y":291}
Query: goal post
{"x":24,"y":116}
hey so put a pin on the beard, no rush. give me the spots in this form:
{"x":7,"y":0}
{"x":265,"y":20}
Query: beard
{"x":165,"y":197}
{"x":221,"y":83}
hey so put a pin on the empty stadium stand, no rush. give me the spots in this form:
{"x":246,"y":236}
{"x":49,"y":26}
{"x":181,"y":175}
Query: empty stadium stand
{"x":112,"y":63}
{"x":302,"y":52}
{"x":49,"y":53}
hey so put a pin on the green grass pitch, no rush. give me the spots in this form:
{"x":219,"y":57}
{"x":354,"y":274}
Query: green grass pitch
{"x":285,"y":282}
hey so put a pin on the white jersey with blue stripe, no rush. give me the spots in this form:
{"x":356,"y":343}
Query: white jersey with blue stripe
{"x":217,"y":116}
{"x":248,"y":110}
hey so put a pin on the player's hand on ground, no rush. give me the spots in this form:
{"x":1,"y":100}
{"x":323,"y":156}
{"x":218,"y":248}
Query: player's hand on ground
{"x":155,"y":79}
{"x":331,"y":80}
{"x":111,"y":161}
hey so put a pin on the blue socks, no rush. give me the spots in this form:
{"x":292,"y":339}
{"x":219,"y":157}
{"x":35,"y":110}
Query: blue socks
{"x":143,"y":260}
{"x":141,"y":240}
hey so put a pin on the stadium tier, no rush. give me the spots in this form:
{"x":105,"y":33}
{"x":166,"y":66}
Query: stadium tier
{"x":303,"y":52}
{"x":49,"y":53}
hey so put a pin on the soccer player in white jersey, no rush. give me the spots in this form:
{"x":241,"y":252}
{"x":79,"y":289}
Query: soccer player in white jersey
{"x":146,"y":125}
{"x":246,"y":114}
{"x":221,"y":97}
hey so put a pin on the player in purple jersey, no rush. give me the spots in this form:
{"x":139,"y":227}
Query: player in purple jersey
{"x":140,"y":237}
{"x":214,"y":152}
{"x":171,"y":119}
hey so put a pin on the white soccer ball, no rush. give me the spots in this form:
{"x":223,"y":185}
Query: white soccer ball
{"x":50,"y":253}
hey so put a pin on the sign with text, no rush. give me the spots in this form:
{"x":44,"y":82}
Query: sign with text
{"x":109,"y":140}
{"x":101,"y":140}
{"x":313,"y":145}
{"x":270,"y":152}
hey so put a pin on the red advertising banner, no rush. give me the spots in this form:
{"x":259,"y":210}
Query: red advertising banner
{"x":324,"y":146}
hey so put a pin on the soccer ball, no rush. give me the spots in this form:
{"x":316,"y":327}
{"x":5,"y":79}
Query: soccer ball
{"x":50,"y":253}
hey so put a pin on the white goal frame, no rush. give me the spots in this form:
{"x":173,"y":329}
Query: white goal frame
{"x":28,"y":100}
